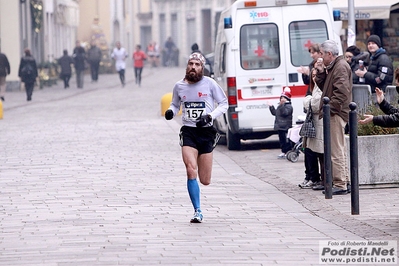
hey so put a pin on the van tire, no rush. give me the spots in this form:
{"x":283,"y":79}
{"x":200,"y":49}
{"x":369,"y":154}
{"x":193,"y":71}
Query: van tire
{"x":233,"y":141}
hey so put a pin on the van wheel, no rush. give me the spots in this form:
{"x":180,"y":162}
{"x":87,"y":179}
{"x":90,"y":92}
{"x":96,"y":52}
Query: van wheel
{"x":233,"y":141}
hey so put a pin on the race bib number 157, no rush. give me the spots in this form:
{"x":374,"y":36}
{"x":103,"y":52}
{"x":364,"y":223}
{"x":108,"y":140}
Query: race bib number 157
{"x":194,"y":110}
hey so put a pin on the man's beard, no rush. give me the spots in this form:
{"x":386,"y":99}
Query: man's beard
{"x":193,"y":77}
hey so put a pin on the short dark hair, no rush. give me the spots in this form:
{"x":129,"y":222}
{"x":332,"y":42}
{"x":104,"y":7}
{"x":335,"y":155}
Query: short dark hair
{"x":353,"y":49}
{"x":27,"y":52}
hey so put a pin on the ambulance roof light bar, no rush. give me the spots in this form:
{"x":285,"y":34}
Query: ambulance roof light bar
{"x":278,"y":3}
{"x":285,"y":2}
{"x":250,"y":3}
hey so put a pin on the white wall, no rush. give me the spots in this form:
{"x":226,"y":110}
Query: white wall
{"x":10,"y":35}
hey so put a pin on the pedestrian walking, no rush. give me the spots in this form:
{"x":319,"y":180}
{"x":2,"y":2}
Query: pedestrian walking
{"x":157,"y":54}
{"x":170,"y":52}
{"x":65,"y":63}
{"x":79,"y":57}
{"x":283,"y":120}
{"x":4,"y":71}
{"x":150,"y":51}
{"x":138,"y":60}
{"x":334,"y":75}
{"x":197,"y":95}
{"x":28,"y":72}
{"x":94,"y":56}
{"x":119,"y":55}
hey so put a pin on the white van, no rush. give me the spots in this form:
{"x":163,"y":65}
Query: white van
{"x":259,"y":46}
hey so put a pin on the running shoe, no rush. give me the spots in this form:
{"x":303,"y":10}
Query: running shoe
{"x":281,"y":156}
{"x":304,"y":182}
{"x":197,"y":218}
{"x":309,"y":184}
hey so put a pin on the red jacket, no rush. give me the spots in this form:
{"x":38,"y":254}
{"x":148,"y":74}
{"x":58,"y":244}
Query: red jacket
{"x":138,"y":58}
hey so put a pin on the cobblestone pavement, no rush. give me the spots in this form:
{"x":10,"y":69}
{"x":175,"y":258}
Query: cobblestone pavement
{"x":94,"y":176}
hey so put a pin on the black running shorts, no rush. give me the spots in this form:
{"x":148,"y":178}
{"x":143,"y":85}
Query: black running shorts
{"x":203,"y":139}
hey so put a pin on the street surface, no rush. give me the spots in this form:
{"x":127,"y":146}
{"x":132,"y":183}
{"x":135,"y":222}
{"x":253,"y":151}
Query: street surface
{"x":94,"y":176}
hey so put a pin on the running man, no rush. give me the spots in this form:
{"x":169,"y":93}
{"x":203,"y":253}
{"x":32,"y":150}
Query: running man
{"x":119,"y":55}
{"x":138,"y":58}
{"x":197,"y":94}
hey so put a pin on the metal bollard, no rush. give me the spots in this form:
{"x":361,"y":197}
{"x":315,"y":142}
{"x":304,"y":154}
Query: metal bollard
{"x":354,"y":166}
{"x":327,"y":149}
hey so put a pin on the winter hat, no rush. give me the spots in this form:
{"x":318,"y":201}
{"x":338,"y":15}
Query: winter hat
{"x":353,"y":49}
{"x":286,"y":93}
{"x":194,"y":47}
{"x":375,"y":39}
{"x":197,"y":56}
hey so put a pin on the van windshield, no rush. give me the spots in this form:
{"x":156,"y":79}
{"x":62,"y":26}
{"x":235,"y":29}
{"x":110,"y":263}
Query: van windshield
{"x":302,"y":35}
{"x":259,"y":46}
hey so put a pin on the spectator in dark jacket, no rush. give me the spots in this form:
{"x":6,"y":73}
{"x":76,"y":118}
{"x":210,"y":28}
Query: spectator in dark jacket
{"x":391,"y":117}
{"x":4,"y":71}
{"x":79,"y":57}
{"x":352,"y":56}
{"x":207,"y":72}
{"x":28,"y":72}
{"x":65,"y":63}
{"x":380,"y":72}
{"x":94,"y":56}
{"x":283,"y":120}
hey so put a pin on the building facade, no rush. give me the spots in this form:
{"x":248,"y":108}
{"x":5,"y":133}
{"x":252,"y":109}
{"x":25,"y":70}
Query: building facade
{"x":43,"y":26}
{"x":48,"y":27}
{"x":187,"y":22}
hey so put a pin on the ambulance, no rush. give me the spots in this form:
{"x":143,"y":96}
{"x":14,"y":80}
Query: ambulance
{"x":259,"y":47}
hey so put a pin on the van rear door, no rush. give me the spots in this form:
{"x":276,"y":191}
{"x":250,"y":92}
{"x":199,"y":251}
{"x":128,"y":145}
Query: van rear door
{"x":274,"y":42}
{"x":261,"y":71}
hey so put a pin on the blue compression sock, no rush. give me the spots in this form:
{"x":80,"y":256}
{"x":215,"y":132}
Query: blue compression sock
{"x":194,"y":192}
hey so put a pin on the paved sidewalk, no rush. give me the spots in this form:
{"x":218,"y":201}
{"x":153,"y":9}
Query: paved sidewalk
{"x":95,"y":177}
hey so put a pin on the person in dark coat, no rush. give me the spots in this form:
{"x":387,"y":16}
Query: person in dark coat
{"x":283,"y":120}
{"x":94,"y":56}
{"x":380,"y":72}
{"x":79,"y":57}
{"x":352,"y":56}
{"x":65,"y":63}
{"x":4,"y":71}
{"x":28,"y":72}
{"x":391,"y":117}
{"x":207,"y":72}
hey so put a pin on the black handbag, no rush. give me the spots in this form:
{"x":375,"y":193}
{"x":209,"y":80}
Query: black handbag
{"x":308,"y":129}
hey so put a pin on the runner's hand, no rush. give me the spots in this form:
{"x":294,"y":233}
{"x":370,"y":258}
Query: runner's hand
{"x":168,"y":114}
{"x":203,"y":120}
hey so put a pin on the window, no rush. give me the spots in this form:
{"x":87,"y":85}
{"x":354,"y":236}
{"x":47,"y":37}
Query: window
{"x":302,"y":35}
{"x":259,"y":46}
{"x":222,"y":67}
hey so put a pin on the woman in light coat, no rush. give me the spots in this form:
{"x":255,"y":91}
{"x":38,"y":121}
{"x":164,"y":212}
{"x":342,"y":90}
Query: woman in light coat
{"x":314,"y":147}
